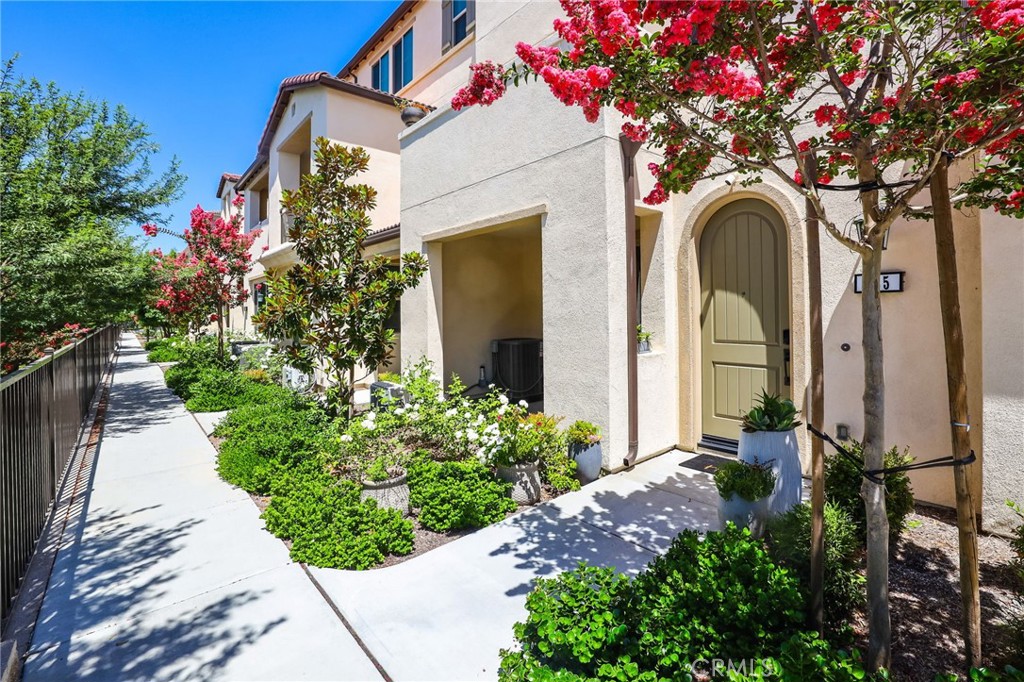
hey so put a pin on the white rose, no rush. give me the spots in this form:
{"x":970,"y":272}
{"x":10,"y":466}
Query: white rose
{"x":523,"y":403}
{"x":472,"y":435}
{"x":346,"y":438}
{"x":501,"y":410}
{"x":368,"y":424}
{"x":400,"y":410}
{"x":371,"y":415}
{"x":458,"y":434}
{"x":503,"y":399}
{"x":452,"y":412}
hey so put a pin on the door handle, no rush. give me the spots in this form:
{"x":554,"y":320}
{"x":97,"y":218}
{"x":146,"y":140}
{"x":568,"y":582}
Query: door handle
{"x":785,"y":357}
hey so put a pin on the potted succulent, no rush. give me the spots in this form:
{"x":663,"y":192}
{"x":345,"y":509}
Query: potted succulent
{"x":643,"y":340}
{"x":585,"y":449}
{"x":743,"y":491}
{"x":768,"y":435}
{"x":384,"y":480}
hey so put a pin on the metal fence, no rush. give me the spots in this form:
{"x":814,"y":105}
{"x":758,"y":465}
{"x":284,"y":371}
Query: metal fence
{"x":41,"y":411}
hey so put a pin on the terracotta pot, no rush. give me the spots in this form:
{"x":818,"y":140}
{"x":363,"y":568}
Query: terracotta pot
{"x":392,"y":493}
{"x":782,"y":450}
{"x":588,"y":460}
{"x":525,"y":480}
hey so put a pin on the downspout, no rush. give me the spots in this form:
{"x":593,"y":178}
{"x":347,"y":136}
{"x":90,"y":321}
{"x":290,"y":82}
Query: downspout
{"x":629,"y":150}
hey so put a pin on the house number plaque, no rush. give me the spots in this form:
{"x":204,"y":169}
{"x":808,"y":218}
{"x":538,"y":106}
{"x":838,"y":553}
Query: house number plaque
{"x":887,"y":282}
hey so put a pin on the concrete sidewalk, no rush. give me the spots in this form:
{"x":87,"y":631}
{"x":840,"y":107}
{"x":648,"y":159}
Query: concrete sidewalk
{"x":166,"y":573}
{"x":446,"y":614}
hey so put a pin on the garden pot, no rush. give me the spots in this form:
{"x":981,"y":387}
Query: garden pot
{"x":744,"y":513}
{"x":781,"y":449}
{"x":525,"y":480}
{"x":643,"y":346}
{"x":391,"y":494}
{"x":588,"y":460}
{"x":411,"y":115}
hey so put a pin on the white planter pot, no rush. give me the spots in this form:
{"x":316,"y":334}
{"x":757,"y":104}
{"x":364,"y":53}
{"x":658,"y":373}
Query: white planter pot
{"x":391,"y":494}
{"x":744,"y":513}
{"x":525,"y":480}
{"x":781,"y":449}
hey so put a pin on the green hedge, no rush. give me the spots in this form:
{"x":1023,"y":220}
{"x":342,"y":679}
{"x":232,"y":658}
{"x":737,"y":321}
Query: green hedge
{"x":330,"y":527}
{"x":455,"y":495}
{"x":717,"y":596}
{"x":264,"y":442}
{"x":216,"y":389}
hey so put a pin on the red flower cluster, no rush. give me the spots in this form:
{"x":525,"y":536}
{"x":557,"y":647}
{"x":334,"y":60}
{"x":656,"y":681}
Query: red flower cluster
{"x":1002,"y":16}
{"x":486,"y":85}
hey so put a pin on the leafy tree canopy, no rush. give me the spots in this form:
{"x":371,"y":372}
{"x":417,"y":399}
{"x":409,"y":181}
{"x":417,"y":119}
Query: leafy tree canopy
{"x":75,"y":173}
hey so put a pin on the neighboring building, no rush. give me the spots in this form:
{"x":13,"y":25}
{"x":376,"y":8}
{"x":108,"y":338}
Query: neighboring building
{"x":520,"y":210}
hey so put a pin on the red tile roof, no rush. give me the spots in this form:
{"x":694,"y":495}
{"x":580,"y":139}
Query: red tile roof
{"x":224,"y":179}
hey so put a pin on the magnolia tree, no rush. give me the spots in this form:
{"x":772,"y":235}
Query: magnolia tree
{"x":829,"y":96}
{"x":335,"y":303}
{"x":198,"y":284}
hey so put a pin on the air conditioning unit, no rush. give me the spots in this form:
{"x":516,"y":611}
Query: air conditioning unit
{"x":296,"y":379}
{"x":518,"y":367}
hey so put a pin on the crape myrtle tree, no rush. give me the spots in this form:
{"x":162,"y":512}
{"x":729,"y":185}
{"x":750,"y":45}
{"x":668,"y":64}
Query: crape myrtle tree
{"x":822,"y":96}
{"x":333,"y":305}
{"x":198,"y":284}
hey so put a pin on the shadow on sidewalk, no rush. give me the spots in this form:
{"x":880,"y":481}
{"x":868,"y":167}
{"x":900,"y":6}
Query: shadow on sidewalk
{"x":648,"y":519}
{"x":106,"y":576}
{"x":138,"y":402}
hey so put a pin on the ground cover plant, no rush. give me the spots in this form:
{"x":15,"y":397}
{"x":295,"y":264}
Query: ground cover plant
{"x":714,"y":596}
{"x":312,"y":464}
{"x":165,"y":350}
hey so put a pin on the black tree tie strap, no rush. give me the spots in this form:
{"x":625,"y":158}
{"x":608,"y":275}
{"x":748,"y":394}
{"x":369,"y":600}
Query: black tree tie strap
{"x":875,"y":475}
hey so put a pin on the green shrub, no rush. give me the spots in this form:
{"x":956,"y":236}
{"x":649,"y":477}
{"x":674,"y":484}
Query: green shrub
{"x":720,"y":596}
{"x":1017,"y":539}
{"x":790,"y":545}
{"x":265,"y":442}
{"x":195,"y":360}
{"x":558,"y":470}
{"x":330,"y":527}
{"x":165,"y":350}
{"x":455,"y":495}
{"x":1008,"y":674}
{"x":843,"y":481}
{"x":749,"y":481}
{"x":217,"y":390}
{"x":583,"y":433}
{"x":252,"y":418}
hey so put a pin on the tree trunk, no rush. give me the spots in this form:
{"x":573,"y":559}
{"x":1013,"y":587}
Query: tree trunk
{"x":349,"y":392}
{"x":956,"y":384}
{"x":220,"y":330}
{"x":879,"y":636}
{"x":817,"y":412}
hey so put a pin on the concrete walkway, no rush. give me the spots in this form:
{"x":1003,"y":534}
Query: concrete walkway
{"x":166,"y":572}
{"x":445,"y":615}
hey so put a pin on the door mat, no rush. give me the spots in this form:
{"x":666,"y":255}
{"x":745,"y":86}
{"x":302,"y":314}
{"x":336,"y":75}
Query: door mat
{"x":705,"y":462}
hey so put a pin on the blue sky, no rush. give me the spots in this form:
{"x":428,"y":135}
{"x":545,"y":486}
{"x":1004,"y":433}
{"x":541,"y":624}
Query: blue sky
{"x":201,"y":75}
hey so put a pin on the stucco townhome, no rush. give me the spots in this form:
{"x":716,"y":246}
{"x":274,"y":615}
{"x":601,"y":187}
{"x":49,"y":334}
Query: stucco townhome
{"x":521,"y":209}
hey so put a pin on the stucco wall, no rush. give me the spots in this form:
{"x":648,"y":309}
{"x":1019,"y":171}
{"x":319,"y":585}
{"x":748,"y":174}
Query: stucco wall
{"x":492,"y":290}
{"x":568,"y":174}
{"x":1002,"y":324}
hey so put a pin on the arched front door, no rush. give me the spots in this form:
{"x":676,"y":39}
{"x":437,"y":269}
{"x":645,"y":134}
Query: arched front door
{"x":744,"y":274}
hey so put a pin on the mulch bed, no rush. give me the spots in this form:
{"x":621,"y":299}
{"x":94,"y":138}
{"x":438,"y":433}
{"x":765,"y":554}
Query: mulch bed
{"x":924,"y":593}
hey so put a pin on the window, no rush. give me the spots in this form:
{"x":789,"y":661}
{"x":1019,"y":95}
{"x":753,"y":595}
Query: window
{"x":458,"y":17}
{"x":460,"y":20}
{"x":259,"y":296}
{"x":393,"y":71}
{"x":401,"y":58}
{"x":381,"y":73}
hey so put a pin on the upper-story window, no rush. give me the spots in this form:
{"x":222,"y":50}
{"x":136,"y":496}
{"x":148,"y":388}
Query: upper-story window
{"x":393,"y":71}
{"x":458,"y":18}
{"x":382,"y":72}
